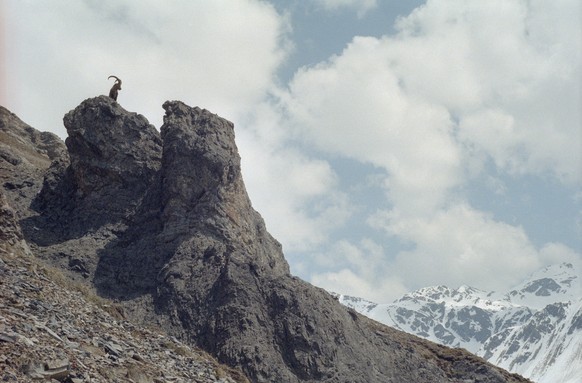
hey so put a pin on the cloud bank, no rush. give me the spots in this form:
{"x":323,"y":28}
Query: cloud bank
{"x":462,"y":86}
{"x":220,"y":54}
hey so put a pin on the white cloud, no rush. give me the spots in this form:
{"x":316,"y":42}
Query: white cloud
{"x":347,"y":282}
{"x":461,"y":245}
{"x":461,"y":84}
{"x":493,"y":133}
{"x":504,"y":70}
{"x":360,"y":270}
{"x":360,"y":6}
{"x":456,"y":246}
{"x":296,"y":194}
{"x":462,"y":54}
{"x":496,"y":67}
{"x":354,"y":106}
{"x":221,"y":55}
{"x":552,"y":253}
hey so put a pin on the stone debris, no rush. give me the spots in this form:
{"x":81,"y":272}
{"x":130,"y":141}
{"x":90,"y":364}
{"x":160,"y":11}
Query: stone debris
{"x":58,"y":370}
{"x":51,"y":333}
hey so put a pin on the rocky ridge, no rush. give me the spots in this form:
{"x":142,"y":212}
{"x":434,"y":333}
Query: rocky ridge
{"x":53,"y":328}
{"x":162,"y":225}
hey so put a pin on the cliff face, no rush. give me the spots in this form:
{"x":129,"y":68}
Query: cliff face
{"x":115,"y":156}
{"x":25,"y":155}
{"x":163,"y":224}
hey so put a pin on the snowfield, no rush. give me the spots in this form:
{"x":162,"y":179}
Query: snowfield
{"x":534,"y":329}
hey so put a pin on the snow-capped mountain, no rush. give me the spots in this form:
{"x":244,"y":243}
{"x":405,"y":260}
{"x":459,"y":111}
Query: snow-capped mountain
{"x":535,"y":329}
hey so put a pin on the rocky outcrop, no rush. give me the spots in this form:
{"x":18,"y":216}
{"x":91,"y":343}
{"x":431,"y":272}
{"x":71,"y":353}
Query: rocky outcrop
{"x":114,"y":159}
{"x":52,"y":329}
{"x":25,"y":155}
{"x":163,"y":225}
{"x":115,"y":156}
{"x":10,"y":233}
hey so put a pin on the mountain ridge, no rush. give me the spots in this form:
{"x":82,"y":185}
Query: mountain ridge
{"x":534,"y":329}
{"x":161,"y":224}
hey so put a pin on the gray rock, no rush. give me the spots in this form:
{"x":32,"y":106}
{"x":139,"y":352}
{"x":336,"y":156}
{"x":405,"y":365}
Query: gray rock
{"x":113,"y":348}
{"x":163,"y":225}
{"x":114,"y":156}
{"x":4,"y":337}
{"x":25,"y":154}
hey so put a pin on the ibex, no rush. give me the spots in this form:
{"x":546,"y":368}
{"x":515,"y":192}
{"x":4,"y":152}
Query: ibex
{"x":115,"y":88}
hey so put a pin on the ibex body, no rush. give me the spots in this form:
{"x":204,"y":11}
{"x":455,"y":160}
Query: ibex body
{"x":115,"y":88}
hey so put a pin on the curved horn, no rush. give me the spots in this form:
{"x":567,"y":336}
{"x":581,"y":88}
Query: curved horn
{"x":116,"y":78}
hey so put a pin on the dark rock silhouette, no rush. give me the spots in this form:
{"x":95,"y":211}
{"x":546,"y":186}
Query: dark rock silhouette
{"x":162,"y":224}
{"x":25,"y":155}
{"x":114,"y":155}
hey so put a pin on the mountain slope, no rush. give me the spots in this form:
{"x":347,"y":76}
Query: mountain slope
{"x":162,"y":224}
{"x":535,"y":329}
{"x":54,"y":329}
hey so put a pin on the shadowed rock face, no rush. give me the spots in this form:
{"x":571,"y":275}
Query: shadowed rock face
{"x":163,"y":224}
{"x":203,"y":194}
{"x":115,"y":156}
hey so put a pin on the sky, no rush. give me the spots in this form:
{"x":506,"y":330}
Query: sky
{"x":389,"y":145}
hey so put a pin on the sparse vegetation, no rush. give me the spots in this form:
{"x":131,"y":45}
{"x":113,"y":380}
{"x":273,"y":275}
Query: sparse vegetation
{"x":57,"y":276}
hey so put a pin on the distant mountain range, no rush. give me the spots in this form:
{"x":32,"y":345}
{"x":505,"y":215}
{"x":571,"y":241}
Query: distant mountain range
{"x":535,"y":329}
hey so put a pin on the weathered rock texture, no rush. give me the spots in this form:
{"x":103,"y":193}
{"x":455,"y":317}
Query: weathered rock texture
{"x":163,"y":225}
{"x":54,"y":329}
{"x":115,"y":157}
{"x":25,"y":155}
